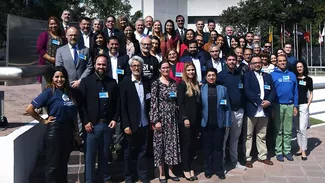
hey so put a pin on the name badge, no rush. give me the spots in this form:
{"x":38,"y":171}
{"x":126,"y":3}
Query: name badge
{"x":286,"y":77}
{"x":223,"y":102}
{"x":83,"y":57}
{"x":303,"y":83}
{"x":172,"y":94}
{"x":240,"y":85}
{"x":267,"y":87}
{"x":103,"y":94}
{"x":148,"y":96}
{"x":56,"y":42}
{"x":203,"y":68}
{"x":120,"y":71}
{"x":179,"y":74}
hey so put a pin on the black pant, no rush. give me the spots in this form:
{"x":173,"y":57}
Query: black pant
{"x":58,"y":146}
{"x":188,"y":137}
{"x":136,"y":143}
{"x":212,"y":139}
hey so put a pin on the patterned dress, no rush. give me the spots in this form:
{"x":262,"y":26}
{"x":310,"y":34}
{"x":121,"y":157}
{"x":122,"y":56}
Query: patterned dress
{"x":163,"y":109}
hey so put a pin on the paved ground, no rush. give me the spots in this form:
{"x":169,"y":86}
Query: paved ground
{"x":313,"y":170}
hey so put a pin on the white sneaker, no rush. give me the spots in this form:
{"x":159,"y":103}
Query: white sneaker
{"x":240,"y":167}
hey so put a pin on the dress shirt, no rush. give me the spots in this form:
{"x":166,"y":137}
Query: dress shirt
{"x":197,"y":64}
{"x":139,"y":36}
{"x":217,"y":64}
{"x":244,"y":61}
{"x":229,"y":41}
{"x":86,"y":39}
{"x":147,"y":31}
{"x":110,"y":33}
{"x":141,"y":94}
{"x":72,"y":50}
{"x":113,"y":59}
{"x":260,"y":111}
{"x":181,"y":32}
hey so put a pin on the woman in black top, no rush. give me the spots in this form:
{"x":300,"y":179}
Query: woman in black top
{"x":99,"y":46}
{"x":305,"y":84}
{"x":128,"y":43}
{"x":189,"y":102}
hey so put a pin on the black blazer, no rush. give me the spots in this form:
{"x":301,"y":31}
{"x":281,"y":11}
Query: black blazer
{"x":122,"y":63}
{"x":117,"y":33}
{"x":81,"y":41}
{"x":122,"y":46}
{"x":189,"y":107}
{"x":90,"y":99}
{"x":179,"y":35}
{"x":130,"y":103}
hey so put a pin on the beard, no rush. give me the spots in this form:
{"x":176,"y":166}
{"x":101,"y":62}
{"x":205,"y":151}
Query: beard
{"x":192,"y":54}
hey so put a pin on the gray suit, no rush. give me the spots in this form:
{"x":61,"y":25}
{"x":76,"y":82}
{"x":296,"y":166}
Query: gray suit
{"x":83,"y":68}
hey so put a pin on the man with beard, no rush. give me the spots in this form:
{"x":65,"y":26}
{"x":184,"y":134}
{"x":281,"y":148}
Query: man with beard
{"x":232,"y":79}
{"x":151,"y":64}
{"x":135,"y":106}
{"x":201,"y":52}
{"x":197,"y":60}
{"x":100,"y":112}
{"x":249,"y":39}
{"x":75,"y":58}
{"x":117,"y":66}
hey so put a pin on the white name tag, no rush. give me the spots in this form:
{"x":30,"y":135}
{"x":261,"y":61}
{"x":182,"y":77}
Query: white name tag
{"x":120,"y":71}
{"x":303,"y":83}
{"x":103,"y":94}
{"x":223,"y":102}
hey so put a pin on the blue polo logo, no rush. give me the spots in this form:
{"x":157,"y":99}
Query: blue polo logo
{"x":280,"y":79}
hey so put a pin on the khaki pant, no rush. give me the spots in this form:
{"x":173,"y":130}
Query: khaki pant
{"x":259,"y":124}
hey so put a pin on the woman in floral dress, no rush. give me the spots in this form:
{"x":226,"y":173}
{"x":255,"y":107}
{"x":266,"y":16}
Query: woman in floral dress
{"x":163,"y":113}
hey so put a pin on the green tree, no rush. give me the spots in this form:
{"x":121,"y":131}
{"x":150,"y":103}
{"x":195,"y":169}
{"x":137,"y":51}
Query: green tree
{"x":102,"y":8}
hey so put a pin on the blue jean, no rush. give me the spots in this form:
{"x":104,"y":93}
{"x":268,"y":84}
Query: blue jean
{"x":98,"y":142}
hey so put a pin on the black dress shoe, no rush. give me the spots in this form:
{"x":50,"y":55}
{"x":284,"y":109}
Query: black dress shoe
{"x":221,"y":176}
{"x":176,"y":179}
{"x":195,"y":177}
{"x":304,"y":158}
{"x":208,"y":176}
{"x":163,"y":180}
{"x":189,"y":179}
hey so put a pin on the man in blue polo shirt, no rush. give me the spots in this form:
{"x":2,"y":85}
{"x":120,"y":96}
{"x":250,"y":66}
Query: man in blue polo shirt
{"x":232,"y":79}
{"x":285,"y":83}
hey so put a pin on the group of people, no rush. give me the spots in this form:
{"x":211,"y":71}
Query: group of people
{"x":183,"y":89}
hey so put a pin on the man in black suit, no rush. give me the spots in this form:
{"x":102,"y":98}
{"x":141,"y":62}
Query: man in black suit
{"x":117,"y":66}
{"x":66,"y":17}
{"x":109,"y":30}
{"x":215,"y":61}
{"x":227,"y":39}
{"x":260,"y":93}
{"x":100,"y":112}
{"x":86,"y":36}
{"x":135,"y":106}
{"x":180,"y":31}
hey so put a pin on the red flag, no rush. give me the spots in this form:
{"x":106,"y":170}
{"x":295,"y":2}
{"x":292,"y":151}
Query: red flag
{"x":286,"y":33}
{"x":307,"y":36}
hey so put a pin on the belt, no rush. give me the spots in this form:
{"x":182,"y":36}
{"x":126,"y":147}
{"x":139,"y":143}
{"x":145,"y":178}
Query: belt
{"x":103,"y":120}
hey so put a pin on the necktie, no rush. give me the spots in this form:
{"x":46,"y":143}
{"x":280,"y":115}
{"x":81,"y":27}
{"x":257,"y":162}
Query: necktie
{"x":182,"y":34}
{"x":75,"y":55}
{"x":229,"y":44}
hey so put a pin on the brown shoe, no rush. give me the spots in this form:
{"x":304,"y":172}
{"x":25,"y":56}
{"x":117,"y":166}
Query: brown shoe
{"x":249,"y":164}
{"x":266,"y":161}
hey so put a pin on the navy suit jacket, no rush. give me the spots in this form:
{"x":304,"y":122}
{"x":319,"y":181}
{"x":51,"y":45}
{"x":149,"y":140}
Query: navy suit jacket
{"x":252,"y":92}
{"x":122,"y":63}
{"x":210,"y":65}
{"x":188,"y":58}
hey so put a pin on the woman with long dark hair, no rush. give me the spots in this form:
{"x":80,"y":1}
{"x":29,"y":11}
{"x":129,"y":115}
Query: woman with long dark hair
{"x":189,"y":35}
{"x":99,"y":46}
{"x":170,"y":37}
{"x":155,"y":49}
{"x":128,"y":43}
{"x":189,"y":101}
{"x":61,"y":126}
{"x":305,"y":97}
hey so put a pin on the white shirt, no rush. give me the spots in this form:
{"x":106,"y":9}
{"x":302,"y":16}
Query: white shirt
{"x":217,"y":64}
{"x":197,"y":64}
{"x":244,"y":61}
{"x":72,"y":51}
{"x":229,"y":41}
{"x":139,"y":87}
{"x":147,"y":31}
{"x":139,"y":36}
{"x":180,"y":31}
{"x":268,"y":69}
{"x":114,"y":66}
{"x":110,"y":33}
{"x":86,"y":39}
{"x":260,"y":111}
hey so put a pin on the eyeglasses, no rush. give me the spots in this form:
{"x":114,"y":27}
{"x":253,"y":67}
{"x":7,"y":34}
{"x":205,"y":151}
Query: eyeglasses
{"x":267,"y":46}
{"x":145,"y":44}
{"x":180,"y":20}
{"x":136,"y":66}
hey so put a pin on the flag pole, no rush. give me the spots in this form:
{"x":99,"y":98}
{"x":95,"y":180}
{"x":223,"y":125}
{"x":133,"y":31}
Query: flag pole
{"x":307,"y":47}
{"x":294,"y":41}
{"x":311,"y":45}
{"x":297,"y":36}
{"x":320,"y":45}
{"x":284,"y":35}
{"x":272,"y":37}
